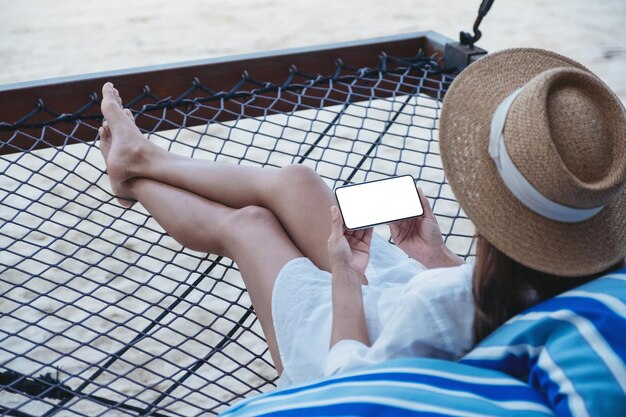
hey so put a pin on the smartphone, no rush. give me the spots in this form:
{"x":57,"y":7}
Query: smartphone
{"x":378,"y":202}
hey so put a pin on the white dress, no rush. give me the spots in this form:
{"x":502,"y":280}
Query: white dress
{"x":410,"y":311}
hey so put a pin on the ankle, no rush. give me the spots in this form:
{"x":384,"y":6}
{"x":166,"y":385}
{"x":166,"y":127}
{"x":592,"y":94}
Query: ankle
{"x":130,"y":187}
{"x":147,"y":160}
{"x":139,"y":158}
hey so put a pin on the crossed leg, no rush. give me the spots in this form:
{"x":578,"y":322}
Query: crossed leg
{"x":251,"y":236}
{"x":295,"y":194}
{"x":261,"y":218}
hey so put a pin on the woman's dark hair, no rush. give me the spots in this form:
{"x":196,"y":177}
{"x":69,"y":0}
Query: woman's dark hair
{"x":503,"y":287}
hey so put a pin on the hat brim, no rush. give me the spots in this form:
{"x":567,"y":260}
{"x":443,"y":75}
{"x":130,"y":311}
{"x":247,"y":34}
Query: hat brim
{"x":564,"y":249}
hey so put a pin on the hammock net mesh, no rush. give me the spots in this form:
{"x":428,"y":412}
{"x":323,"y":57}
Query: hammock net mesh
{"x":102,"y":313}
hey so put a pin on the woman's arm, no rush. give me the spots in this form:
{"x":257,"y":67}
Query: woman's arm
{"x":348,"y":312}
{"x":428,"y":317}
{"x":348,"y":253}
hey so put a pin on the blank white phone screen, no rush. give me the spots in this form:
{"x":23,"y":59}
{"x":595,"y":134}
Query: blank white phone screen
{"x":378,"y":202}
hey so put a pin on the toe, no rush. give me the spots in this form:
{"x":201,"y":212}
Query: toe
{"x":129,"y":113}
{"x":104,"y":142}
{"x":106,"y":129}
{"x":117,"y":96}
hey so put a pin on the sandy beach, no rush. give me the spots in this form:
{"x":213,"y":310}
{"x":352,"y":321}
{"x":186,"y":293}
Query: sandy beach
{"x":42,"y":39}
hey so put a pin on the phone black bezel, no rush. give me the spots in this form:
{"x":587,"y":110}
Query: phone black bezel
{"x":370,"y":182}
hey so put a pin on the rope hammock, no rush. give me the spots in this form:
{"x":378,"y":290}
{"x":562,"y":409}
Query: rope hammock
{"x":102,"y":312}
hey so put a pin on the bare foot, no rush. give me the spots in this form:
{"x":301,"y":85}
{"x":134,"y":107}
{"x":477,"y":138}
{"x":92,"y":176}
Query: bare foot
{"x":119,"y":189}
{"x":121,"y":143}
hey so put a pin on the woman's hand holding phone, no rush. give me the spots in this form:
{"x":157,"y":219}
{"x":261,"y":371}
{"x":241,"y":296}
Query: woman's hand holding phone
{"x":421,"y":239}
{"x":348,"y":250}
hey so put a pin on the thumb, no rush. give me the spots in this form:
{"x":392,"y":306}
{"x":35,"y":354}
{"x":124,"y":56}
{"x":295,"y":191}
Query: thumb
{"x":337,"y":223}
{"x":428,"y":211}
{"x":395,"y":230}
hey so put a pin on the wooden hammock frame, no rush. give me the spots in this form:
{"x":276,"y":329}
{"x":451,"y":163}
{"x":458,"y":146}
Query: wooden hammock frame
{"x":23,"y":102}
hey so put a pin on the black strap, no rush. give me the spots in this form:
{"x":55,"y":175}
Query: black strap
{"x":465,"y":37}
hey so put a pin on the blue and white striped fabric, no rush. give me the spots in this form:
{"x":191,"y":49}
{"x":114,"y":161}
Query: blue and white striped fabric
{"x":566,"y":355}
{"x":402,"y":388}
{"x":572,"y":348}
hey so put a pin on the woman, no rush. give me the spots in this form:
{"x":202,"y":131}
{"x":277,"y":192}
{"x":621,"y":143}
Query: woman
{"x":532,"y":144}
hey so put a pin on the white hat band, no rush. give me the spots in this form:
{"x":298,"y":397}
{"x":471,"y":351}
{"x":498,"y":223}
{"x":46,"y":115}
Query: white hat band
{"x":518,"y":184}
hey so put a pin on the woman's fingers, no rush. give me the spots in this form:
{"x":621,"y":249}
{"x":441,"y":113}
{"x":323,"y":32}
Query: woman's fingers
{"x":362,"y":235}
{"x":367,"y":235}
{"x":428,"y":211}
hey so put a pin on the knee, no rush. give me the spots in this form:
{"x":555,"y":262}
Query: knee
{"x":252,"y":216}
{"x":246,"y":225}
{"x":252,"y":221}
{"x":300,"y":177}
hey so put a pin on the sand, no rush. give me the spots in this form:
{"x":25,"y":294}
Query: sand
{"x":44,"y":39}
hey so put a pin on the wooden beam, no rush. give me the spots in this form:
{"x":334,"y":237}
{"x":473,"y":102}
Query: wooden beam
{"x":67,"y":95}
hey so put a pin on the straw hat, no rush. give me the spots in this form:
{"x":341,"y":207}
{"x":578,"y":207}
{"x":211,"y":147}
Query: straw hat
{"x":534,"y":147}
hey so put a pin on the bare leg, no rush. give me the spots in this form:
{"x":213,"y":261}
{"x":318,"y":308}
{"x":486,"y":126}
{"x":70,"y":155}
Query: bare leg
{"x":296,"y":195}
{"x":251,"y":236}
